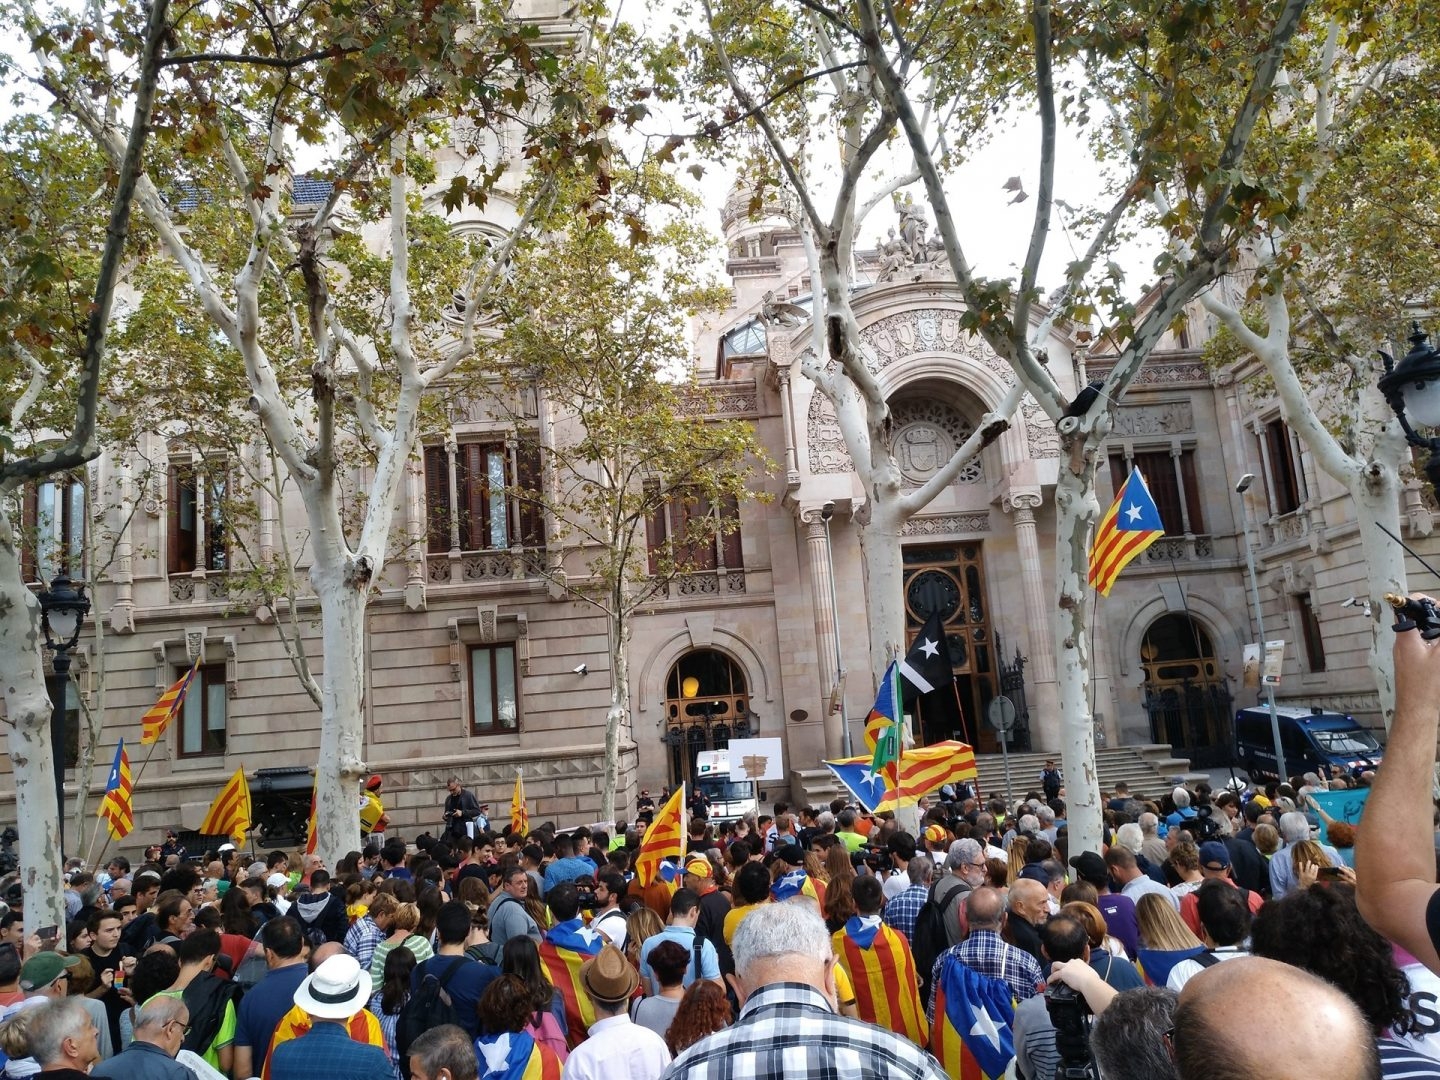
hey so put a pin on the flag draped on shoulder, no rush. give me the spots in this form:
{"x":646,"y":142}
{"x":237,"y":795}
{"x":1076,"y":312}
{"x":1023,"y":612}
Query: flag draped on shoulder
{"x":562,"y":951}
{"x":1156,"y":964}
{"x":519,"y":814}
{"x":117,"y":807}
{"x":515,"y":1055}
{"x":882,"y":972}
{"x":795,"y":883}
{"x":1130,"y":526}
{"x":230,"y":812}
{"x":665,"y":838}
{"x":972,"y":1034}
{"x":157,"y":718}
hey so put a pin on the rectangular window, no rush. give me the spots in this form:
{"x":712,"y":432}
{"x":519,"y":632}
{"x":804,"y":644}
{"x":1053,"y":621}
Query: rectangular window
{"x":198,"y":532}
{"x":1310,"y":632}
{"x":53,"y":529}
{"x":495,"y":497}
{"x":494,"y":690}
{"x":1168,"y":491}
{"x":202,"y":718}
{"x":706,"y":536}
{"x":1286,"y":493}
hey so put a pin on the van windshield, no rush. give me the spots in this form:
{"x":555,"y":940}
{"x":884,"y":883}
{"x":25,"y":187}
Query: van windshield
{"x":1354,"y":741}
{"x":726,"y":791}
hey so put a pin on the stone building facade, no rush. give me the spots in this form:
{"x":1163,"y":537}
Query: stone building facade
{"x":477,"y":666}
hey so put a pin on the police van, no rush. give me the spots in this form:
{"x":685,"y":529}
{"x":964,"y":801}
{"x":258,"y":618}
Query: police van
{"x":728,"y":798}
{"x":1309,"y":737}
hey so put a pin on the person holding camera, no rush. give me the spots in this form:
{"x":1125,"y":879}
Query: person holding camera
{"x":1063,"y":938}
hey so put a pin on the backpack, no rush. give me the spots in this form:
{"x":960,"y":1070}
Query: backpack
{"x":206,"y":998}
{"x":429,"y":1007}
{"x":929,"y":938}
{"x":547,"y":1033}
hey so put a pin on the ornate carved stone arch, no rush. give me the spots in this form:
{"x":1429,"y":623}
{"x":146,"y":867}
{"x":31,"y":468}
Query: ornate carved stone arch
{"x":701,"y":633}
{"x":1224,"y":635}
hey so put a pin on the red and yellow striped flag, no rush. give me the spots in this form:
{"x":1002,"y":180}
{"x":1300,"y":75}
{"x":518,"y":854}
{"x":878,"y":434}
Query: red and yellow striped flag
{"x":519,"y":814}
{"x":312,"y":827}
{"x":882,"y":972}
{"x":664,"y":839}
{"x":159,"y":715}
{"x":562,"y":952}
{"x":230,"y":812}
{"x":1130,"y":526}
{"x":116,"y":807}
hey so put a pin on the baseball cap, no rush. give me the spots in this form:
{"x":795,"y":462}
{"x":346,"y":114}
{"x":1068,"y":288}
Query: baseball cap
{"x":44,"y":968}
{"x":699,"y":866}
{"x":936,"y":834}
{"x":275,"y":881}
{"x":790,"y":854}
{"x":1212,"y":851}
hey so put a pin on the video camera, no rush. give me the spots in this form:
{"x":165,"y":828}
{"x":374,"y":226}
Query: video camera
{"x":1070,"y":1014}
{"x":878,"y":859}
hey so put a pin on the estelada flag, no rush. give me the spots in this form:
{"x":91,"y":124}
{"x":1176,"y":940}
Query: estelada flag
{"x":562,"y":952}
{"x":312,"y":826}
{"x":515,"y":1055}
{"x":157,"y":718}
{"x":923,"y":769}
{"x":885,"y":757}
{"x":972,"y":1033}
{"x":230,"y":812}
{"x":1130,"y":526}
{"x":116,"y":807}
{"x":882,"y":972}
{"x":664,"y":839}
{"x":519,"y":814}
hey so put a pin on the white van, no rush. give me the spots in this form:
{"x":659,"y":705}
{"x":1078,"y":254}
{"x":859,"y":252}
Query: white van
{"x":729,"y":799}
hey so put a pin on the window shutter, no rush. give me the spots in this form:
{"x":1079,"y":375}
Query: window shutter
{"x":181,"y":554}
{"x":437,"y":500}
{"x":655,"y":527}
{"x":528,"y":530}
{"x":475,"y":529}
{"x":730,"y":541}
{"x":1192,"y":492}
{"x":29,"y":525}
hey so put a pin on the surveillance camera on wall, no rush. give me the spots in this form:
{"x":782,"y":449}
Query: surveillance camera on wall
{"x":581,"y":669}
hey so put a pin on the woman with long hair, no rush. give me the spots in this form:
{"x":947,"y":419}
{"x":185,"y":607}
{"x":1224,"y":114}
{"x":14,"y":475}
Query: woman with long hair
{"x":535,"y":904}
{"x":428,"y":903}
{"x":473,"y":894}
{"x":641,"y":925}
{"x":1165,"y":940}
{"x":506,"y":1048}
{"x":839,"y":904}
{"x":520,"y":957}
{"x":401,"y":926}
{"x":1307,"y":859}
{"x":394,"y":993}
{"x":703,"y":1011}
{"x":1018,"y":847}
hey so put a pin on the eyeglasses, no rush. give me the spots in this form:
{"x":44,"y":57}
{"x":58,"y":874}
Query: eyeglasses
{"x":184,"y":1028}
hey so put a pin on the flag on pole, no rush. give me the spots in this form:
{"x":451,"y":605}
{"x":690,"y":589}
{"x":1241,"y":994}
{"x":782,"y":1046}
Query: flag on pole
{"x":923,"y":769}
{"x":665,"y":838}
{"x":519,"y":814}
{"x":885,"y":760}
{"x":1130,"y":526}
{"x":230,"y":812}
{"x":159,"y":715}
{"x":928,"y":681}
{"x":116,"y":807}
{"x":312,"y":826}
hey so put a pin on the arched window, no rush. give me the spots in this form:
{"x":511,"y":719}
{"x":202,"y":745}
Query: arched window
{"x":707,"y":702}
{"x":1185,"y":692}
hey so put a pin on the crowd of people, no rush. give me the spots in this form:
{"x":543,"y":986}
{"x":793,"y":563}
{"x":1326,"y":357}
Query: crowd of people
{"x":1214,"y":935}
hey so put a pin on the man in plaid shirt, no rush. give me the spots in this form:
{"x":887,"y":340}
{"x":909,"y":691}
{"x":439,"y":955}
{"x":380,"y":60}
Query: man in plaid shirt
{"x":901,"y":911}
{"x":986,"y":952}
{"x":788,"y":1028}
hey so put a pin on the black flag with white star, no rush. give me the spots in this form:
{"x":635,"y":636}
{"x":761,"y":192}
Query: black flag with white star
{"x":927,"y":678}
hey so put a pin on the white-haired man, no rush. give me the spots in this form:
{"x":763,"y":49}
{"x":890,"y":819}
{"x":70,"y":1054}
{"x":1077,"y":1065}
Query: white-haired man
{"x":63,"y":1040}
{"x":1294,"y":828}
{"x":1153,"y":847}
{"x":160,"y":1027}
{"x":788,"y":1026}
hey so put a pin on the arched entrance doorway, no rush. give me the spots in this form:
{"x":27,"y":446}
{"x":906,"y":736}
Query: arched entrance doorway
{"x":1186,"y":694}
{"x":707,"y":703}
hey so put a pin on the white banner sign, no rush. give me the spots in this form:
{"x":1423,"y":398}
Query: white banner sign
{"x":756,"y":759}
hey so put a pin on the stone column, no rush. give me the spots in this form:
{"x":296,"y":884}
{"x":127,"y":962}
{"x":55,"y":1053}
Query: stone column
{"x":787,"y":413}
{"x":825,"y":628}
{"x":1044,"y":708}
{"x":122,"y":612}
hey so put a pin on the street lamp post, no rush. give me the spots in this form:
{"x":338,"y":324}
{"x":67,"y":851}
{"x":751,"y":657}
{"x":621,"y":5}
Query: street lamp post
{"x":63,"y":608}
{"x":1413,"y":386}
{"x":826,"y":513}
{"x":1240,"y":488}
